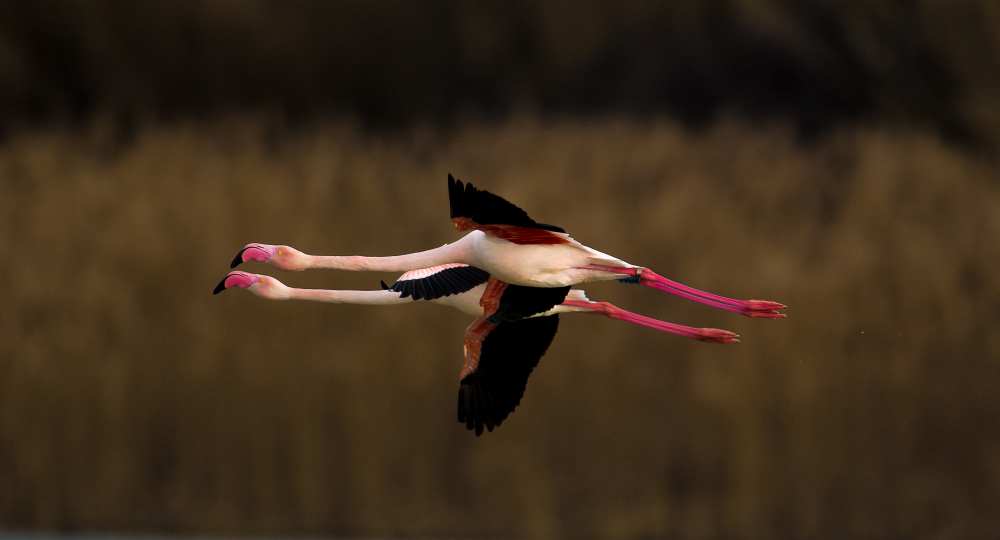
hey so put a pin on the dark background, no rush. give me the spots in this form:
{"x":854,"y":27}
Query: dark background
{"x":836,"y":156}
{"x":816,"y":65}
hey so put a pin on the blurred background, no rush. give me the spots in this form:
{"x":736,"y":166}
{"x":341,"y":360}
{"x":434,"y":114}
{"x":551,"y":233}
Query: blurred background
{"x":837,"y":156}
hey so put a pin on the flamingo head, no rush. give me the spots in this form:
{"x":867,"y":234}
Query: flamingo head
{"x":284,"y":257}
{"x":258,"y":284}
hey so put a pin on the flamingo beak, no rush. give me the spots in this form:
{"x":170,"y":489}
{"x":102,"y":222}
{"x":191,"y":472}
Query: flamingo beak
{"x":235,"y":279}
{"x":253,"y":252}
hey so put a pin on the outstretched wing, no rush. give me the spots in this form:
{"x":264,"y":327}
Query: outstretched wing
{"x":438,"y":281}
{"x":473,"y":208}
{"x":509,"y":353}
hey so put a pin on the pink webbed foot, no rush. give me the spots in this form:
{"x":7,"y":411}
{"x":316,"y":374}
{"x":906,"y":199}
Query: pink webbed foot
{"x":243,"y":280}
{"x":716,"y":335}
{"x":254,"y":252}
{"x":763,"y":309}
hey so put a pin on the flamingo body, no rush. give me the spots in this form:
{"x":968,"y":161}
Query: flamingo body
{"x":537,"y":265}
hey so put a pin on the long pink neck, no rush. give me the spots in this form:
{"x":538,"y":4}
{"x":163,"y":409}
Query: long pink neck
{"x":374,"y":298}
{"x":456,"y":252}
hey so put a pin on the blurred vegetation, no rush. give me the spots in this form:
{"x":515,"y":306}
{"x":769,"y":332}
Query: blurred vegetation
{"x":837,"y":156}
{"x":819,"y":64}
{"x":131,"y":399}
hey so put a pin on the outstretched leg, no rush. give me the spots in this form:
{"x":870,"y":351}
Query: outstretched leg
{"x":766,"y":309}
{"x":715,"y":335}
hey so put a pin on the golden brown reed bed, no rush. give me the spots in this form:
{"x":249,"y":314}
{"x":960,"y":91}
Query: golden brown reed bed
{"x":132,"y":399}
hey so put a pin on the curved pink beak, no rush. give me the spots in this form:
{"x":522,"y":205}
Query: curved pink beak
{"x":235,"y":279}
{"x":253,"y":252}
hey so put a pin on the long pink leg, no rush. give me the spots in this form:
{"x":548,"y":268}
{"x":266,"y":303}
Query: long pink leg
{"x":766,"y":309}
{"x":715,"y":335}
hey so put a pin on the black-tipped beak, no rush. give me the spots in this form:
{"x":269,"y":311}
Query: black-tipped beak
{"x":220,"y":287}
{"x":238,"y":259}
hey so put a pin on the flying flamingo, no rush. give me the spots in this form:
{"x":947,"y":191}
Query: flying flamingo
{"x":514,"y":249}
{"x":513,"y":328}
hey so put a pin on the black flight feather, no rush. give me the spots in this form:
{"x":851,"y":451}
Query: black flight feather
{"x":486,"y":208}
{"x":518,"y":301}
{"x":488,"y":395}
{"x":445,"y":282}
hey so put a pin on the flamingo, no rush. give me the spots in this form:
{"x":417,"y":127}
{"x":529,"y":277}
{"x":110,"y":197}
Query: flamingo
{"x":513,"y":248}
{"x":513,"y":326}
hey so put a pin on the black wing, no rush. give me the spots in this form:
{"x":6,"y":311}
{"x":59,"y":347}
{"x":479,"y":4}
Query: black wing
{"x":486,"y":208}
{"x":448,"y":280}
{"x":509,"y":354}
{"x":519,"y":302}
